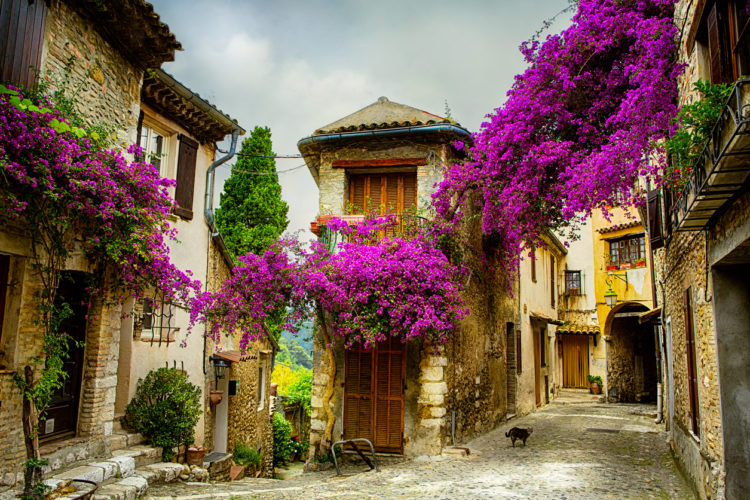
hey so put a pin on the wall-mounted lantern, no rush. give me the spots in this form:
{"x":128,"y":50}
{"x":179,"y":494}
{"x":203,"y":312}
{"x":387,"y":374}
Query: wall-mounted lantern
{"x":610,"y":296}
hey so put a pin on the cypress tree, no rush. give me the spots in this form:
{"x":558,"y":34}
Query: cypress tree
{"x":252,"y":214}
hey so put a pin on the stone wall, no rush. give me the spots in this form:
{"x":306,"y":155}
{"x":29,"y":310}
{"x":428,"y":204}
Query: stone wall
{"x":248,"y":423}
{"x":107,"y":86}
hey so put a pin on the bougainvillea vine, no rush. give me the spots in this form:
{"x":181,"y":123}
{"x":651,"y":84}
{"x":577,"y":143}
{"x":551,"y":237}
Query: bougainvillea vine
{"x":579,"y":127}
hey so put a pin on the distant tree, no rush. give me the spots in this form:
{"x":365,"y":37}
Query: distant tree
{"x":252,"y":214}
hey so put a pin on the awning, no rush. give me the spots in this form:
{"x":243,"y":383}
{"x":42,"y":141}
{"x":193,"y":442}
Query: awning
{"x":235,"y":356}
{"x":653,"y":316}
{"x":544,"y":317}
{"x":576,"y":329}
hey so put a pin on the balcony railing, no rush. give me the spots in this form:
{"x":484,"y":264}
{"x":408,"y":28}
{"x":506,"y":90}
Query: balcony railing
{"x":722,"y":169}
{"x":404,"y":225}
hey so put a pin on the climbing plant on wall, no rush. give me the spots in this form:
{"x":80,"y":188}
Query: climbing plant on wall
{"x":578,"y":128}
{"x":67,"y":192}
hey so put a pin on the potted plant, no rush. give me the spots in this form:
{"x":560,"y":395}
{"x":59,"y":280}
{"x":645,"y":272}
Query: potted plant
{"x":246,"y":456}
{"x":195,"y":455}
{"x":595,"y":384}
{"x":612,"y":267}
{"x":626,"y":265}
{"x":640,"y":262}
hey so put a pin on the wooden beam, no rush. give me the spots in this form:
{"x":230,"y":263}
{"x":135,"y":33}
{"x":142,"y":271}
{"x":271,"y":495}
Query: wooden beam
{"x":379,"y":162}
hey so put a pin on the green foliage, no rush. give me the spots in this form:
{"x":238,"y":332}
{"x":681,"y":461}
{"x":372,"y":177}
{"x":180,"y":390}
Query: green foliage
{"x":165,"y":409}
{"x":245,"y":454}
{"x":293,"y":353}
{"x":696,"y":120}
{"x":252,"y":215}
{"x":595,"y":379}
{"x":282,"y":446}
{"x":300,"y":390}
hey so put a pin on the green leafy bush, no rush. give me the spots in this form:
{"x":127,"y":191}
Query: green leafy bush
{"x":165,"y":409}
{"x":282,"y":445}
{"x":300,"y":391}
{"x":245,"y":454}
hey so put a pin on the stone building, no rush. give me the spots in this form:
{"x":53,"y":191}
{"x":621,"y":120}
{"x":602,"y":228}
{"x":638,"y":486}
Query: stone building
{"x":579,"y":349}
{"x":105,"y":52}
{"x":622,"y":265}
{"x":387,"y":158}
{"x":536,"y":376}
{"x":700,"y":234}
{"x":111,"y":52}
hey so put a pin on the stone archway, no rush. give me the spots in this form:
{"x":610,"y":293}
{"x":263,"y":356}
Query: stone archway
{"x":631,"y":355}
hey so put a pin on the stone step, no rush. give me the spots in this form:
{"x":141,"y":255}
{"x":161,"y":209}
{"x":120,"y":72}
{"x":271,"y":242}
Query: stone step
{"x":142,"y":454}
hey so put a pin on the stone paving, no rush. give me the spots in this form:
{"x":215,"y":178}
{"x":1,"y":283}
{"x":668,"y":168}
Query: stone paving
{"x":576,"y":451}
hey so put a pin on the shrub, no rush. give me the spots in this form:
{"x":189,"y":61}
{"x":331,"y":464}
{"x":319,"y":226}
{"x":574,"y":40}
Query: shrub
{"x":597,"y":379}
{"x":245,"y":454}
{"x":282,"y":445}
{"x":165,"y":409}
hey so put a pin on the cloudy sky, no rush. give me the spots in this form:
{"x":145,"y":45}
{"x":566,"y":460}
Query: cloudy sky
{"x":296,"y":65}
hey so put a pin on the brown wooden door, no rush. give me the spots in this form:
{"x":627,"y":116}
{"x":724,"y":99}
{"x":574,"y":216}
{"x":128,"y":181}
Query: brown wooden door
{"x":575,"y":361}
{"x":374,"y":395}
{"x":62,"y":415}
{"x":537,"y":367}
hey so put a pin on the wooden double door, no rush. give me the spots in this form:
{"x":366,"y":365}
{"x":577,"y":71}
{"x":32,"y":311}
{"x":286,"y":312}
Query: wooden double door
{"x":575,"y":350}
{"x":374,"y":394}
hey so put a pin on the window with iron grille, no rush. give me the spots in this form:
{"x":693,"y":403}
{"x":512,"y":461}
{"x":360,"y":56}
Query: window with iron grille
{"x":628,"y":252}
{"x":154,"y":323}
{"x":573,"y":283}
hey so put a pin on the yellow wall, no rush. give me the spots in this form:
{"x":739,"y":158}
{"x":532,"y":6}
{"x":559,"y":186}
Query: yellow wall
{"x":638,"y":288}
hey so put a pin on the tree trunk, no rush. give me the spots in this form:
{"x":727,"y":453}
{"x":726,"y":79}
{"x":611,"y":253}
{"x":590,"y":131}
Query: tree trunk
{"x":32,"y":474}
{"x":328,"y":396}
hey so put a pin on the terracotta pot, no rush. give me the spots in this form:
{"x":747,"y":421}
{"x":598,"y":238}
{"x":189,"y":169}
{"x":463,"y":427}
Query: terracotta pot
{"x":594,"y":388}
{"x":215,"y":397}
{"x":195,"y":456}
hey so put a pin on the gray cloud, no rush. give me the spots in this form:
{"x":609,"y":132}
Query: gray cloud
{"x":297,"y":65}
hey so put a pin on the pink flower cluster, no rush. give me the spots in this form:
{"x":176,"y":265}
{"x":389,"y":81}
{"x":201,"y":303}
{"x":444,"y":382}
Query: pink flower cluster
{"x":70,"y":189}
{"x":578,"y":128}
{"x":369,"y":288}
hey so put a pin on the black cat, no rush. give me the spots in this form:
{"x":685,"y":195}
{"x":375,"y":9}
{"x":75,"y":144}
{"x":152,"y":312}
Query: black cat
{"x":519,"y":433}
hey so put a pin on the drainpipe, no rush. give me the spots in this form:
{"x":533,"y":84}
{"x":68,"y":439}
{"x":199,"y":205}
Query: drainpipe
{"x":208,"y":213}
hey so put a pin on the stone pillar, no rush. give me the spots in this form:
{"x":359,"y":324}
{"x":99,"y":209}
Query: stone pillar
{"x":431,"y":407}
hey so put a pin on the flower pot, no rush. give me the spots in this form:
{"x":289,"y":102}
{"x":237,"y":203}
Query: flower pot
{"x":195,"y":456}
{"x":215,"y":397}
{"x":626,"y":265}
{"x":641,"y":263}
{"x":613,"y":268}
{"x":594,"y":388}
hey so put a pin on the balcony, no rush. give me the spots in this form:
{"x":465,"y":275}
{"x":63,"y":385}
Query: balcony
{"x":721,"y":172}
{"x":404,"y":225}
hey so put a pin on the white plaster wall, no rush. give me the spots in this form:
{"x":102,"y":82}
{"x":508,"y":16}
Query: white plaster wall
{"x":188,"y":253}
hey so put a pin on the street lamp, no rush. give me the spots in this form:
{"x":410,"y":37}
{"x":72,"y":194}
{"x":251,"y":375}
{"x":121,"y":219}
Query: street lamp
{"x":610,"y":296}
{"x":220,"y":365}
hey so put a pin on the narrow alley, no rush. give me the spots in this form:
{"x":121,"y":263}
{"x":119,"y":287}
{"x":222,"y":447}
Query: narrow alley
{"x":578,"y":450}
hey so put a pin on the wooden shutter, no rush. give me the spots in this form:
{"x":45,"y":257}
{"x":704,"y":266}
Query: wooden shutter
{"x":383,"y":194}
{"x":358,"y":394}
{"x":691,"y":368}
{"x":714,"y":45}
{"x":374,"y":395}
{"x":519,"y":357}
{"x":655,"y":234}
{"x":410,"y":193}
{"x":552,"y":272}
{"x":4,"y":270}
{"x":186,"y":159}
{"x":21,"y":40}
{"x":389,"y":407}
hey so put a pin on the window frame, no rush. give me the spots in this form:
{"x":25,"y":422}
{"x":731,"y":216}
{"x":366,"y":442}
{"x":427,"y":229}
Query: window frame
{"x":261,"y":391}
{"x":568,"y":281}
{"x":149,"y":127}
{"x":627,"y":250}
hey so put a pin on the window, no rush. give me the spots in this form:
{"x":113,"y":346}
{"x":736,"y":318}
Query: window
{"x":533,"y":265}
{"x":573,"y":283}
{"x":518,"y":351}
{"x":154,"y":146}
{"x":628,"y":252}
{"x":383,"y":194}
{"x":261,"y":388}
{"x":552,"y":271}
{"x":4,"y":271}
{"x":724,"y":31}
{"x":543,"y":346}
{"x":155,"y":323}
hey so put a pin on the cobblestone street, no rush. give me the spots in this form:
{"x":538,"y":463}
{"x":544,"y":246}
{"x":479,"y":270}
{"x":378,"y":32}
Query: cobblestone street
{"x":576,"y":451}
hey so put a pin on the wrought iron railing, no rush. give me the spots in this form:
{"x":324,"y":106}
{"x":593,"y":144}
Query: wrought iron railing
{"x":722,"y":168}
{"x":405,"y":226}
